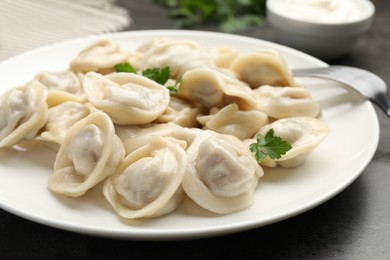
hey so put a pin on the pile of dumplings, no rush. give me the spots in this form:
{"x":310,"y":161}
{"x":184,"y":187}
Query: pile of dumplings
{"x":152,"y":147}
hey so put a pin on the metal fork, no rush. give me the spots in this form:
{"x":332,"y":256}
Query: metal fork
{"x":366,"y":83}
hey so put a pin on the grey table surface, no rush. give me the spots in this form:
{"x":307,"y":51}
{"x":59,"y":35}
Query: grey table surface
{"x":354,"y":224}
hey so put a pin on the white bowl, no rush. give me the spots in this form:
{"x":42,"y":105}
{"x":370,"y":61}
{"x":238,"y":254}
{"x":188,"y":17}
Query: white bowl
{"x":324,"y":40}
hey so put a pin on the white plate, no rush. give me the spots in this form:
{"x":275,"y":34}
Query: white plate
{"x":282,"y":193}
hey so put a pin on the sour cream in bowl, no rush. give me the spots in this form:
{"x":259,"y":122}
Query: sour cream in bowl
{"x":326,"y":29}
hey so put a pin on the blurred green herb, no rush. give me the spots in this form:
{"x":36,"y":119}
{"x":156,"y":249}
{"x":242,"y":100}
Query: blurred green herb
{"x":125,"y":67}
{"x":159,"y":75}
{"x":229,"y":15}
{"x":173,"y":89}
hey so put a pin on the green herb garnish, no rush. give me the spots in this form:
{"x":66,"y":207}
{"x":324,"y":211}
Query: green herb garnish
{"x":159,"y":75}
{"x":270,"y":145}
{"x":228,"y":15}
{"x":173,"y":89}
{"x":125,"y":67}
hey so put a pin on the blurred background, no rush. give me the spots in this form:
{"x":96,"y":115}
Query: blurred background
{"x":26,"y":24}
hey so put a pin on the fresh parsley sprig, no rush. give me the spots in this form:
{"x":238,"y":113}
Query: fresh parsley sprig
{"x":175,"y":88}
{"x":125,"y":67}
{"x":160,"y":75}
{"x":269,"y":145}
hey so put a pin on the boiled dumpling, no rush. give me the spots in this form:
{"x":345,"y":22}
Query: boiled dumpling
{"x":148,"y":181}
{"x":23,"y":112}
{"x":223,"y":56}
{"x":221,"y":173}
{"x":61,"y":118}
{"x":282,"y":102}
{"x":100,"y":56}
{"x":90,"y":152}
{"x":136,"y":136}
{"x":216,"y":88}
{"x":127,"y":98}
{"x":304,"y":134}
{"x":230,"y":120}
{"x":186,"y":134}
{"x":263,"y":67}
{"x":180,"y":112}
{"x":179,"y":55}
{"x":149,"y":44}
{"x":134,"y":59}
{"x":62,"y":86}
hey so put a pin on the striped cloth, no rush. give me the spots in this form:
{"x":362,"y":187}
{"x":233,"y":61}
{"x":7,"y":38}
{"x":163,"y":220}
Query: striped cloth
{"x":27,"y":24}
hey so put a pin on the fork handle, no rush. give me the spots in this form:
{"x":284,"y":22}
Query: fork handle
{"x":379,"y":98}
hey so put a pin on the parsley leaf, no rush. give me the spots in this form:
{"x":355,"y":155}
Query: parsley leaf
{"x":159,"y":75}
{"x":125,"y":67}
{"x":173,"y":89}
{"x":270,"y":145}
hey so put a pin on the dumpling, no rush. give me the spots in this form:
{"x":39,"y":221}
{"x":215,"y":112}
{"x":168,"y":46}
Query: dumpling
{"x":186,"y":134}
{"x":216,"y":88}
{"x":179,"y":55}
{"x":61,"y":118}
{"x":304,"y":134}
{"x":263,"y":67}
{"x":127,"y":98}
{"x":180,"y":112}
{"x":62,"y":86}
{"x":136,"y":136}
{"x":221,"y":173}
{"x":23,"y":112}
{"x":100,"y":56}
{"x":283,"y":102}
{"x":90,"y":152}
{"x":223,"y":56}
{"x":148,"y":181}
{"x":147,"y":45}
{"x":230,"y":120}
{"x":134,"y":60}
